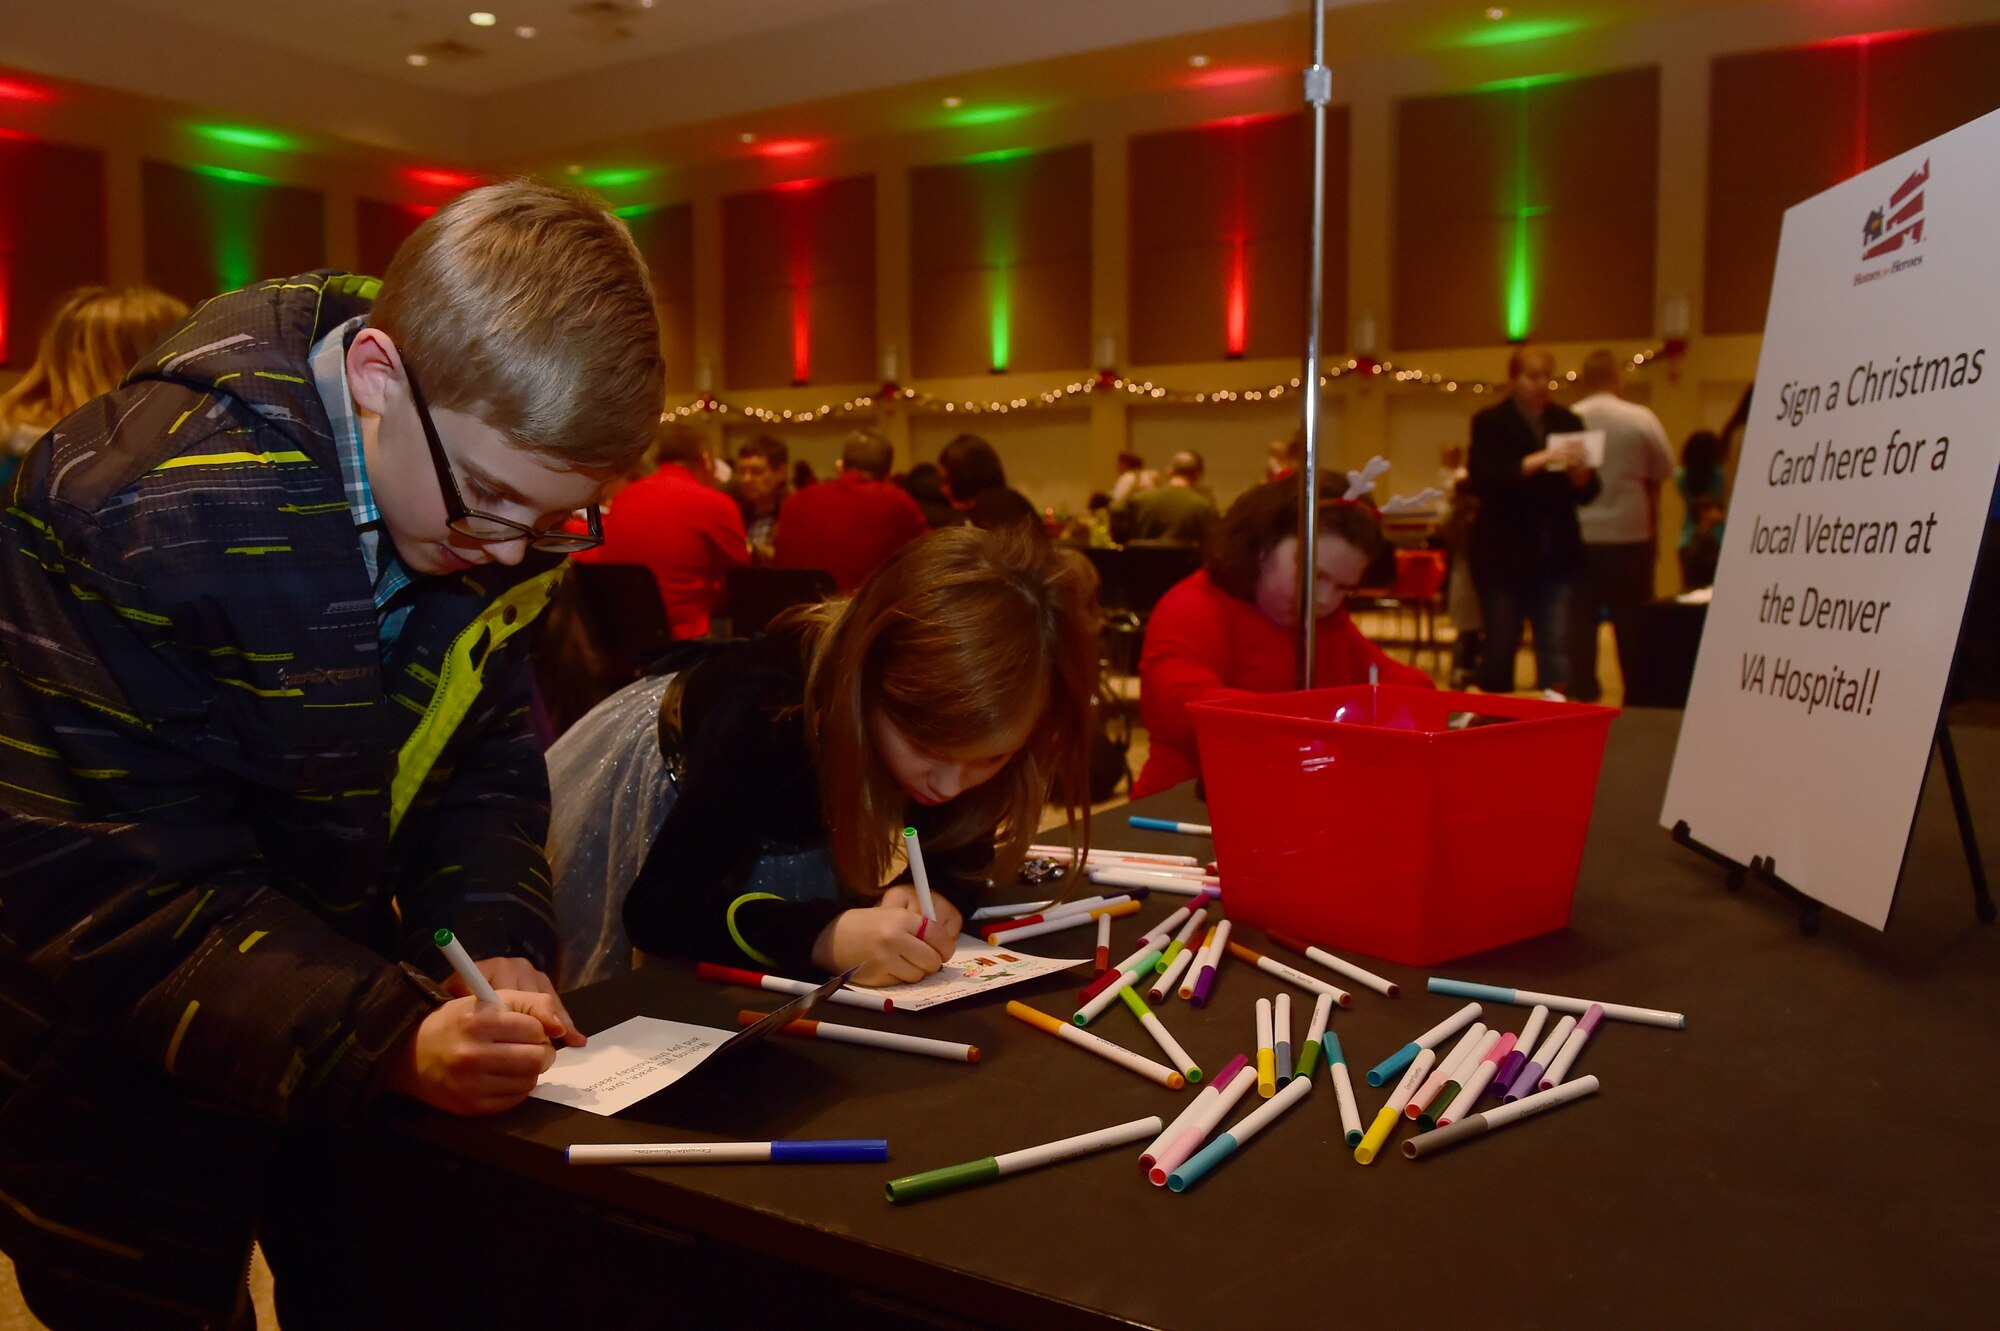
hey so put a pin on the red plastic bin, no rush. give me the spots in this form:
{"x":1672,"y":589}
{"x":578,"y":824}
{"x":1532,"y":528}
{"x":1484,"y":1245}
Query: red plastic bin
{"x":1360,"y":819}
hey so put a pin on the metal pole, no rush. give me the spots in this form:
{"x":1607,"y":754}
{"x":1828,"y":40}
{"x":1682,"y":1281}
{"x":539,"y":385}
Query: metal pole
{"x":1318,"y":91}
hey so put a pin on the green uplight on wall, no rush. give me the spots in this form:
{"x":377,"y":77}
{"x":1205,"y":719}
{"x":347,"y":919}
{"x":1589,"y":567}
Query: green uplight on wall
{"x":1520,"y":292}
{"x":997,"y":155}
{"x":632,"y":210}
{"x":612,"y":177}
{"x":230,"y":173}
{"x":998,"y":321}
{"x":1509,"y":32}
{"x":1526,"y":81}
{"x":986,"y":115}
{"x":242,"y":136}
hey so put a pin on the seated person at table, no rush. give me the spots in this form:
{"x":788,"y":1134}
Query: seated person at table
{"x":677,"y":524}
{"x":749,"y":809}
{"x":851,"y":524}
{"x":92,"y":339}
{"x":1229,"y":630}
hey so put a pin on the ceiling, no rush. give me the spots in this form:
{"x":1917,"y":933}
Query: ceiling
{"x":528,"y":42}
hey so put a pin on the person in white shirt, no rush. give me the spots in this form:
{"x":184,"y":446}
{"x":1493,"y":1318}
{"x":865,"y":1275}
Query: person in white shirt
{"x":1620,"y":527}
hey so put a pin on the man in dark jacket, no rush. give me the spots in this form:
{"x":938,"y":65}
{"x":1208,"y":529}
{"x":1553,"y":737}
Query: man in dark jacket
{"x":1525,"y":546}
{"x":263,"y":729}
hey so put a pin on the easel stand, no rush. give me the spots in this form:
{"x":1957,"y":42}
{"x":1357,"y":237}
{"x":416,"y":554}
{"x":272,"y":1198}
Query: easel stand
{"x":1765,"y":868}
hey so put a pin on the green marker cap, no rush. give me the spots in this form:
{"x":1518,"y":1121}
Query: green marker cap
{"x":915,"y":1187}
{"x":910,"y":832}
{"x":442,"y":938}
{"x":1133,"y":1001}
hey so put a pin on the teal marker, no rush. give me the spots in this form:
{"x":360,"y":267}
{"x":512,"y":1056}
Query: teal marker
{"x":952,"y":1178}
{"x":1343,"y":1091}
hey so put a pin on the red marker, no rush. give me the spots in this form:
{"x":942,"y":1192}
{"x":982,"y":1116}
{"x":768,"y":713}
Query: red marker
{"x":1103,"y":958}
{"x":708,"y":970}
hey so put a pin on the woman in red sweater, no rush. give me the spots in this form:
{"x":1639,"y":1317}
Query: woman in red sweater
{"x":1230,"y":629}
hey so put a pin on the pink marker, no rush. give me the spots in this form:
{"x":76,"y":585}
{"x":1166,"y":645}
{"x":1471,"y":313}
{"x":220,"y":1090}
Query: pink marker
{"x":1467,"y":1100}
{"x":1195,"y":1109}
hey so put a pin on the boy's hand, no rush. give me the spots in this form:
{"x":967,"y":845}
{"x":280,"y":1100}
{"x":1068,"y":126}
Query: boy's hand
{"x":944,"y":930}
{"x":519,"y":973}
{"x":881,"y":941}
{"x":469,"y":1057}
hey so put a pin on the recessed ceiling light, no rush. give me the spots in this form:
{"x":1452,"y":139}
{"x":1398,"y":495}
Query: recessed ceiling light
{"x":417,"y":58}
{"x":954,"y":101}
{"x":525,"y":30}
{"x":746,"y":137}
{"x":481,"y":19}
{"x":1496,"y":12}
{"x":1198,"y":61}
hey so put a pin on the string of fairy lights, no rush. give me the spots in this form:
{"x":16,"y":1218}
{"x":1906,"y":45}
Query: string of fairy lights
{"x":1139,"y":391}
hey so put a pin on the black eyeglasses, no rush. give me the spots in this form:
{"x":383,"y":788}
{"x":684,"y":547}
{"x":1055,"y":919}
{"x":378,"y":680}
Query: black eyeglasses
{"x":488,"y":528}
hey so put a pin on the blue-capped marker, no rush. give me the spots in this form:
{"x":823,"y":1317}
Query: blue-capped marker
{"x":1169,"y":825}
{"x":1225,"y":1144}
{"x":1343,"y":1088}
{"x":1493,"y":993}
{"x":1393,"y":1065}
{"x":834,"y":1151}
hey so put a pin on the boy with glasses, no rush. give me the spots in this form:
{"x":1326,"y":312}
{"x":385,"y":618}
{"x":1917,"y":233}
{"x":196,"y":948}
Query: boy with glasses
{"x":263,"y":730}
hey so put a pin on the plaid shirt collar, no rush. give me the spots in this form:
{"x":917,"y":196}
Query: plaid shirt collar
{"x":385,"y":571}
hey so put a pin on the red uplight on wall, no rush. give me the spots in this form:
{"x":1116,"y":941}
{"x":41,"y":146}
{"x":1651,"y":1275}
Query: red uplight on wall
{"x":785,"y":148}
{"x":1236,"y":315}
{"x":440,"y":179}
{"x":1237,"y":122}
{"x":1229,"y":78}
{"x":15,"y":135}
{"x":14,"y":90}
{"x":1864,"y":38}
{"x":795,"y":186}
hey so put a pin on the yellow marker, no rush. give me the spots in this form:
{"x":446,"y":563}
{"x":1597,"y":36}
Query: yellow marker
{"x":1377,"y":1134}
{"x":1267,"y":1056}
{"x":1399,"y":1100}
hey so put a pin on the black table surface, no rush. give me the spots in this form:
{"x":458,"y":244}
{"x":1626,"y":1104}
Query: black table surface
{"x":1816,"y":1144}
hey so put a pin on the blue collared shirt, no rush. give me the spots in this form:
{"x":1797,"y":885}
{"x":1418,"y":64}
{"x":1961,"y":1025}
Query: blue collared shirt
{"x":385,"y":570}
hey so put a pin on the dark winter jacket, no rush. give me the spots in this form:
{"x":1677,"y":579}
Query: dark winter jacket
{"x":229,"y":826}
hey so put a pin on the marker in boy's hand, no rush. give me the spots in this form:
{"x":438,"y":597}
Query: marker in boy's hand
{"x":469,"y":1057}
{"x":517,"y":973}
{"x":889,"y":943}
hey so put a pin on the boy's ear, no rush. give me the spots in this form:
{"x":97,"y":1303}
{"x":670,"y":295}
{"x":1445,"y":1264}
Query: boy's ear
{"x":374,"y":371}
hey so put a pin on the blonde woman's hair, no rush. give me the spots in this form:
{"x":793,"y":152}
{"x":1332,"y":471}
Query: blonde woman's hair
{"x":528,"y":306}
{"x":95,"y":336}
{"x":953,"y":641}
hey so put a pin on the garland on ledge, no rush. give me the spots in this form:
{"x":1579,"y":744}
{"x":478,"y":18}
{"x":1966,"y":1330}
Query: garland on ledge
{"x":1110,"y":381}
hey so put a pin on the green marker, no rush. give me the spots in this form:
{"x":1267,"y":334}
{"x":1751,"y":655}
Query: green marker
{"x":1176,"y":1056}
{"x":1315,"y":1033}
{"x":951,"y":1178}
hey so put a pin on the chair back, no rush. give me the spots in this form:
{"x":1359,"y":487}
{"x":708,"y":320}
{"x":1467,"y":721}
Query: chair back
{"x":753,"y":597}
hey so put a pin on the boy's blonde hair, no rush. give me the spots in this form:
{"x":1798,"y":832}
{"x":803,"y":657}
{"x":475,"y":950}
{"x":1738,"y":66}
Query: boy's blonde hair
{"x":94,"y":338}
{"x":528,"y":306}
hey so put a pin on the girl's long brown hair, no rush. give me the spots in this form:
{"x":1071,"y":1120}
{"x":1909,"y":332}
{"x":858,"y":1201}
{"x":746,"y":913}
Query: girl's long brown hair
{"x":953,"y":641}
{"x":92,"y":341}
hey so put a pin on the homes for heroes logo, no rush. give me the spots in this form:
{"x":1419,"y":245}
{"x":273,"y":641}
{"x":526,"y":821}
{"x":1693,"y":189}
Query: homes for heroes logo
{"x":1889,"y":228}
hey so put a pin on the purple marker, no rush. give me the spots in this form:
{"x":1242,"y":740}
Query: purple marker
{"x":1510,"y":1066}
{"x":1526,"y":1081}
{"x":1217,"y":949}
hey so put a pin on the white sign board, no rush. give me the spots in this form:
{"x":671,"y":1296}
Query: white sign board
{"x":1859,"y":503}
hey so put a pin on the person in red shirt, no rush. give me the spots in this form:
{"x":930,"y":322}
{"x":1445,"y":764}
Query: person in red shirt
{"x":850,"y":525}
{"x":1229,"y":629}
{"x":678,"y":525}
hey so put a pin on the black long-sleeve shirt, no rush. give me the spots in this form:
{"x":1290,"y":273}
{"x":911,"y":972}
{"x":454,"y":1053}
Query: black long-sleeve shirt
{"x":749,"y":788}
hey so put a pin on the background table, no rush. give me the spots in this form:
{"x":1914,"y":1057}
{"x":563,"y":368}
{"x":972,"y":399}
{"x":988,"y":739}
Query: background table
{"x":1815,"y":1146}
